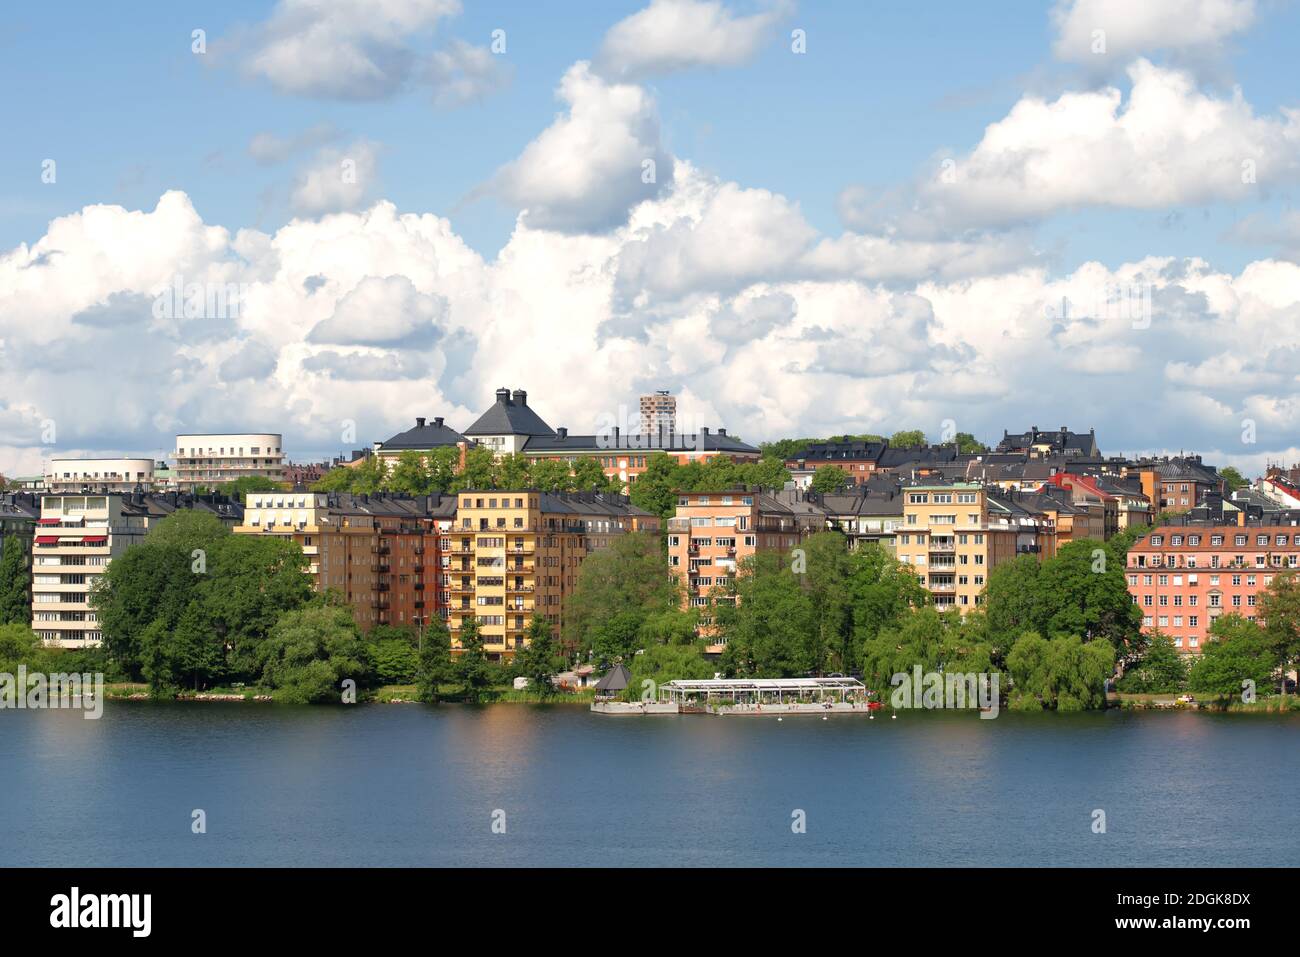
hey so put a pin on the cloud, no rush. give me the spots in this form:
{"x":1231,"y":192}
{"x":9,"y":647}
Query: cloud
{"x":383,"y":311}
{"x":463,"y":73}
{"x":366,"y":366}
{"x":586,"y":170}
{"x":673,"y":35}
{"x":1168,"y":145}
{"x":253,"y":360}
{"x":336,"y":180}
{"x":268,"y":148}
{"x":345,"y":49}
{"x":709,"y":275}
{"x":1131,"y":29}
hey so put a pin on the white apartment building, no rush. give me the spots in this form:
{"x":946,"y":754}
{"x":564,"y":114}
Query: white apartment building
{"x":76,"y":537}
{"x":98,"y":475}
{"x":212,"y":458}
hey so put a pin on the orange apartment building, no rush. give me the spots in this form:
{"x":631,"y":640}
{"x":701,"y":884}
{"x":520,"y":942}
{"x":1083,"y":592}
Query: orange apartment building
{"x":1184,"y":577}
{"x":712,"y":532}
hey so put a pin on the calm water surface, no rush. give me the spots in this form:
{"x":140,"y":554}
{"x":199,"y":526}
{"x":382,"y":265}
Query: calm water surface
{"x":416,"y":785}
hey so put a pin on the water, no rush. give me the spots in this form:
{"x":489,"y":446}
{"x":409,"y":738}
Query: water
{"x":415,"y":785}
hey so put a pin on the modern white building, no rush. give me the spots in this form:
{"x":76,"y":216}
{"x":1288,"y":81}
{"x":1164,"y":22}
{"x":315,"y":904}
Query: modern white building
{"x":76,"y":537}
{"x":209,"y":459}
{"x":98,"y":475}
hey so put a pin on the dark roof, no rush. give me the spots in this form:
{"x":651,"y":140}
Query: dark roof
{"x":616,"y":679}
{"x":510,"y":415}
{"x":1059,"y":440}
{"x":706,"y":440}
{"x":856,"y":451}
{"x":425,"y":435}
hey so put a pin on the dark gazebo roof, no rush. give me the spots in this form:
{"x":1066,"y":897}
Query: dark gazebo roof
{"x":616,"y":679}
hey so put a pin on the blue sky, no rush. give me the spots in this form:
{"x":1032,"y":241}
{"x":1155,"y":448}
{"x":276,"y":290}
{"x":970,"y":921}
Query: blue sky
{"x":797,"y":268}
{"x":117,"y":98}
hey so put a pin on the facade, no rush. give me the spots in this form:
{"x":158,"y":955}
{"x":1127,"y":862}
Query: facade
{"x":99,"y":475}
{"x":1184,"y":577}
{"x":213,"y":458}
{"x":1175,"y":484}
{"x":712,"y":532}
{"x":954,"y":535}
{"x":77,"y":536}
{"x":625,"y":457}
{"x":379,"y":552}
{"x":509,"y":554}
{"x":508,"y":425}
{"x":658,"y":413}
{"x":858,"y":459}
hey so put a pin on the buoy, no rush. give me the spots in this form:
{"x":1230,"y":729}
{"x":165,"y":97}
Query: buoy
{"x":894,"y":716}
{"x":780,"y":719}
{"x":871,"y":717}
{"x":823,"y":717}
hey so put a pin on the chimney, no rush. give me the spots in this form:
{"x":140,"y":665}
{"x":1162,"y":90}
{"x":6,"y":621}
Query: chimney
{"x":704,"y":429}
{"x":616,"y":437}
{"x":521,"y":397}
{"x":438,"y":421}
{"x":562,"y":432}
{"x":722,"y":431}
{"x":419,"y":421}
{"x":503,"y":396}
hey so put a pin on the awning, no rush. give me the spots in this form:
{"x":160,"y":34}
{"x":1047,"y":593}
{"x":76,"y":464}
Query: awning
{"x":47,"y":539}
{"x":95,"y":539}
{"x":48,"y":521}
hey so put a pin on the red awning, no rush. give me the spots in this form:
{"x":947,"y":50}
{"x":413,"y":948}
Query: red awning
{"x":47,"y":539}
{"x":95,"y":539}
{"x":48,"y":521}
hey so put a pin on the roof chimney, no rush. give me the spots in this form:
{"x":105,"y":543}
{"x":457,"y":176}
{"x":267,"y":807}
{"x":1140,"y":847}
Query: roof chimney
{"x":503,"y":396}
{"x":704,"y":429}
{"x":722,"y":431}
{"x":419,"y":421}
{"x":562,"y":432}
{"x":521,"y":397}
{"x":438,"y":421}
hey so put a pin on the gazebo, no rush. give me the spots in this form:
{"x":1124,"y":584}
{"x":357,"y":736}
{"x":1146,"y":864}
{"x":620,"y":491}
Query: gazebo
{"x":612,"y":682}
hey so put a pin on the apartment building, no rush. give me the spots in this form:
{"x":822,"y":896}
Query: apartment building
{"x":76,"y":538}
{"x":1184,"y":577}
{"x":713,"y":532}
{"x":207,"y":459}
{"x":99,"y":475}
{"x":867,"y":516}
{"x":508,"y":555}
{"x":380,"y":552}
{"x":1175,"y":484}
{"x":658,"y":413}
{"x":954,"y":535}
{"x":858,"y":459}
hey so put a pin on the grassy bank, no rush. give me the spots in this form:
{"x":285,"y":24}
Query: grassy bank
{"x":1276,"y":704}
{"x":385,"y":694}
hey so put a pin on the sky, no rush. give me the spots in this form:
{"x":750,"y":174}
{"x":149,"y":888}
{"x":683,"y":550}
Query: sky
{"x":804,"y":218}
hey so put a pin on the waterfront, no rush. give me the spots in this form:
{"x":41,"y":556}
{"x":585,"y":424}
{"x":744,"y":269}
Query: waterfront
{"x":414,"y":785}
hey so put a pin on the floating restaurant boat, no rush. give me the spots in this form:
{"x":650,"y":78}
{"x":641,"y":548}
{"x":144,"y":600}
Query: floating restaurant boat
{"x":752,"y":696}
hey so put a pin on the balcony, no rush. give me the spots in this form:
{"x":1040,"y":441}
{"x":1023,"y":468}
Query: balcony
{"x":520,"y":589}
{"x":942,"y":546}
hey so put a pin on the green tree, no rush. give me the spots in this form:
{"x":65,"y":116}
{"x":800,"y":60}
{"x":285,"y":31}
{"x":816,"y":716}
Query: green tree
{"x":19,"y":645}
{"x":829,"y":478}
{"x":1232,"y":478}
{"x":435,"y":664}
{"x":588,"y":475}
{"x":655,"y":489}
{"x":1063,"y":673}
{"x":441,"y":465}
{"x":1239,"y":652}
{"x":1083,"y":591}
{"x":472,"y":666}
{"x":479,"y":470}
{"x":310,"y":652}
{"x":617,"y":589}
{"x":539,"y":659}
{"x":395,"y":660}
{"x":767,"y":472}
{"x":909,"y":439}
{"x":15,"y":583}
{"x":240,"y":487}
{"x":1279,"y":610}
{"x":512,"y":472}
{"x":1160,"y":671}
{"x":768,"y":620}
{"x":967,"y":444}
{"x":410,"y":475}
{"x":664,"y":663}
{"x":551,"y":476}
{"x":187,"y":529}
